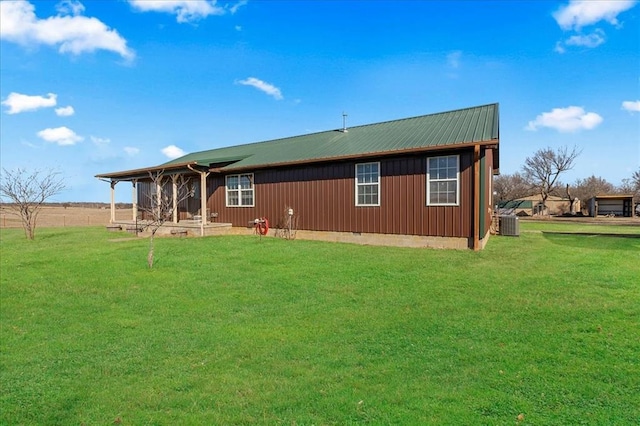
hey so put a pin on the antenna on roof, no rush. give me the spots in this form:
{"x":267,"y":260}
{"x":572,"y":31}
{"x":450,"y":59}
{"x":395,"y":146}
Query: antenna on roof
{"x":344,"y":122}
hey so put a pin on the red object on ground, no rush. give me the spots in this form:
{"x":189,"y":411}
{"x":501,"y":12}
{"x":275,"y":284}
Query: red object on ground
{"x":262,"y":226}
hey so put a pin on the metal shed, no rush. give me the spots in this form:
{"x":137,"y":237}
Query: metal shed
{"x":617,"y":205}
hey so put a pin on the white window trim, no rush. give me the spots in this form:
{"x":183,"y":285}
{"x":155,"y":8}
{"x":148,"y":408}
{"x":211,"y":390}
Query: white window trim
{"x":239,"y":191}
{"x":429,"y":180}
{"x":362,"y":184}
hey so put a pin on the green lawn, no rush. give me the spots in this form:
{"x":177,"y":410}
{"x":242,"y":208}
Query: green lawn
{"x":237,"y":330}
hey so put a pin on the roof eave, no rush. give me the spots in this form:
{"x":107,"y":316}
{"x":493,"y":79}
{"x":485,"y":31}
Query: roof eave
{"x":144,"y":172}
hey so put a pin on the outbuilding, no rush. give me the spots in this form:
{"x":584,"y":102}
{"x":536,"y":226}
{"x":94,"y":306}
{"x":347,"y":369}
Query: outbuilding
{"x":620,"y":205}
{"x":420,"y":181}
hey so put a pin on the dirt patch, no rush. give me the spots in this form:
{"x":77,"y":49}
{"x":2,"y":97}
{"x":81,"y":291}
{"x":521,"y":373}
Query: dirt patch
{"x":60,"y":217}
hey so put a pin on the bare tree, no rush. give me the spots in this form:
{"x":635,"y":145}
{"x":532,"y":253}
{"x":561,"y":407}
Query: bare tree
{"x":161,"y":202}
{"x":27,"y":191}
{"x":635,"y":178}
{"x":543,"y":169}
{"x":511,"y":187}
{"x":589,"y":187}
{"x":631,"y":185}
{"x":572,"y":200}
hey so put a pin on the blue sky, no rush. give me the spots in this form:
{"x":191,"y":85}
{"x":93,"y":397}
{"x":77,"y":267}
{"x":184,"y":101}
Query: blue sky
{"x":100,"y":86}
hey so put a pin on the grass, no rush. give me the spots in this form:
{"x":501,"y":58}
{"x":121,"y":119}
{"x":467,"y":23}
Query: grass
{"x":236,"y":330}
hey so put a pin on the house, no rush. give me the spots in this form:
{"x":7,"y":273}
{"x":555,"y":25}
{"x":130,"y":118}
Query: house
{"x":532,"y":206}
{"x":620,"y":205}
{"x":421,"y":181}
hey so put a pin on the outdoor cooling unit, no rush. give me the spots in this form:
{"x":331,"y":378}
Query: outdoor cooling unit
{"x":510,"y":226}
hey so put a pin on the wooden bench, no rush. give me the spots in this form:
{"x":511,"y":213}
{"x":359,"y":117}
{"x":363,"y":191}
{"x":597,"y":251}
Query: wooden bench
{"x":179,"y":232}
{"x":114,"y":228}
{"x":132,"y":229}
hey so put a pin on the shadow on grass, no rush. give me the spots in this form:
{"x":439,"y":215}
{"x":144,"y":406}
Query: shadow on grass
{"x":590,"y":240}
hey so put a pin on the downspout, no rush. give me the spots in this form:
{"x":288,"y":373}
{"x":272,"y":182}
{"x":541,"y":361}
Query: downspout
{"x":203,"y":197}
{"x":476,"y":197}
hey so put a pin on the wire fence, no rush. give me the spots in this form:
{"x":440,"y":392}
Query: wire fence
{"x":61,"y":217}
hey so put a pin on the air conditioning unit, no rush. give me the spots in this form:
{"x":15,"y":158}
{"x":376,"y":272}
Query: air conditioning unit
{"x":510,"y":226}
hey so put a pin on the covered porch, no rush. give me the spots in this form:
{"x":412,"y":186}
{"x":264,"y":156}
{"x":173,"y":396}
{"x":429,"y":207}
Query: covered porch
{"x":175,"y":196}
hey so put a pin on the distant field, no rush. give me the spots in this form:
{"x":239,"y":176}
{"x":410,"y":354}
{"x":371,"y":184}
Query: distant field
{"x":538,"y":329}
{"x":60,"y":216}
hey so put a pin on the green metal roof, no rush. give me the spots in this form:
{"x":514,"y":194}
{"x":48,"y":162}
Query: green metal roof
{"x":446,"y":129}
{"x":516,"y":204}
{"x":434,"y":131}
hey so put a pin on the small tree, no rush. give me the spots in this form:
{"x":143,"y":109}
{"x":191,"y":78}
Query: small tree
{"x":160,"y":206}
{"x":543,"y":169}
{"x":27,"y":191}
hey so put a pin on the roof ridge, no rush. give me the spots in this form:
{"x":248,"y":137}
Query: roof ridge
{"x":350,"y":128}
{"x":427,"y":115}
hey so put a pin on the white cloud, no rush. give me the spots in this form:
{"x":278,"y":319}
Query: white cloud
{"x":570,"y":119}
{"x":71,"y":33}
{"x":594,"y":39}
{"x":559,"y":48}
{"x":172,"y":151}
{"x":131,"y":151}
{"x":18,"y":102}
{"x":65,"y":111}
{"x":233,"y":9}
{"x":60,"y":135}
{"x":578,"y":14}
{"x":453,"y":59}
{"x":70,"y":7}
{"x":631,"y":106}
{"x":267,"y":88}
{"x":582,"y":13}
{"x":100,"y":141}
{"x":185,"y":10}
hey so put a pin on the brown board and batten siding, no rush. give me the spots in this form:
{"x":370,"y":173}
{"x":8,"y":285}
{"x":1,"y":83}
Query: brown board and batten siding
{"x":323,"y":198}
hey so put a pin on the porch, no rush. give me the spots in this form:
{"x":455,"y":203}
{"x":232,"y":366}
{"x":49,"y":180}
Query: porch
{"x":185,"y":227}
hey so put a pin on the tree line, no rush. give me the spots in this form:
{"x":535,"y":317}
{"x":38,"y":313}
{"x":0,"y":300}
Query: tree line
{"x":541,"y":175}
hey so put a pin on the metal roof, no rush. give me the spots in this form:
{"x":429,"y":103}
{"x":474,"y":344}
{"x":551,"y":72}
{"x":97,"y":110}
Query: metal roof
{"x":516,"y":204}
{"x":435,"y":131}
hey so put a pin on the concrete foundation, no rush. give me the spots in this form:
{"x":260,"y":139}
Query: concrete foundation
{"x":185,"y":228}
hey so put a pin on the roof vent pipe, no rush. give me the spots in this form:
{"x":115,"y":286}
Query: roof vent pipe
{"x":344,"y":122}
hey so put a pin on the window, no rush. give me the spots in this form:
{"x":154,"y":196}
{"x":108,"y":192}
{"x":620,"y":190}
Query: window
{"x":240,"y":190}
{"x":368,"y":184}
{"x":443,"y":174}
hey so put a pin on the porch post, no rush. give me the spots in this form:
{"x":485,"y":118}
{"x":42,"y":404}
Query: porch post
{"x":113,"y":201}
{"x":203,"y":201}
{"x":134,"y":200}
{"x":174,"y":178}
